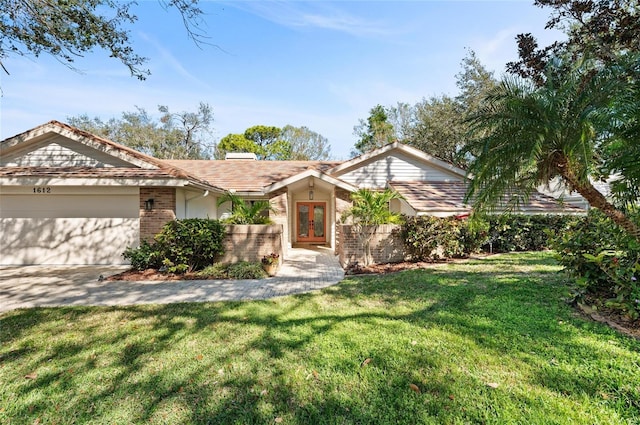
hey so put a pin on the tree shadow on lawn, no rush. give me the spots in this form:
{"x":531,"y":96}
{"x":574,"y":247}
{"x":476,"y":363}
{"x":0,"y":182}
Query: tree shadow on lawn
{"x":302,"y":357}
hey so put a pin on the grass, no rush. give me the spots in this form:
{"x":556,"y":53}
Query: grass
{"x":487,"y":341}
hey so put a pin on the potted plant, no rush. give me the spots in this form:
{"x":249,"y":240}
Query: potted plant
{"x":270,"y":263}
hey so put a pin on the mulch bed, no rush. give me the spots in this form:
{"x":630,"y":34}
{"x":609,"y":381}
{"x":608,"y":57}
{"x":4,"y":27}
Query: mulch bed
{"x":152,"y":274}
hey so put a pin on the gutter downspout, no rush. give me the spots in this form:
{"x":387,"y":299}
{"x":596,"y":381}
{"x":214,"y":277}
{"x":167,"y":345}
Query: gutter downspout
{"x":187,"y":200}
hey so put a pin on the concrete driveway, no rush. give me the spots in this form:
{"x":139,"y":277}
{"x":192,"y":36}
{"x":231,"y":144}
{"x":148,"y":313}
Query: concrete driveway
{"x":47,"y":286}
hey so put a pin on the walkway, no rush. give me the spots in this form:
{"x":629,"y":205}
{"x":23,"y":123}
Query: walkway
{"x":46,"y":286}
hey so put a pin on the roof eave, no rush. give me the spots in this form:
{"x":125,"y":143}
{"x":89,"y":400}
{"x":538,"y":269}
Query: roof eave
{"x":306,"y":174}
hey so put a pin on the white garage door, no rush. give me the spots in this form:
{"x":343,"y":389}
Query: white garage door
{"x":67,"y":225}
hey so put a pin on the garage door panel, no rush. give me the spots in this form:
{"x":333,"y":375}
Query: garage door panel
{"x":67,"y":240}
{"x":22,"y":206}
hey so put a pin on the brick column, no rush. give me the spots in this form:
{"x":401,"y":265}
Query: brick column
{"x":164,"y":210}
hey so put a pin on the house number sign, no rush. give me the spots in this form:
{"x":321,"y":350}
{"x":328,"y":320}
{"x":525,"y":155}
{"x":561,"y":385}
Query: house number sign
{"x":42,"y":189}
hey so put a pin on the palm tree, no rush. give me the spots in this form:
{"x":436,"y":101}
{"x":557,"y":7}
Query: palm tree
{"x":369,"y":210}
{"x":524,"y":136}
{"x":243,"y":212}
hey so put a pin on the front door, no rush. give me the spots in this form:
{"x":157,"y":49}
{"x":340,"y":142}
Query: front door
{"x":311,"y":222}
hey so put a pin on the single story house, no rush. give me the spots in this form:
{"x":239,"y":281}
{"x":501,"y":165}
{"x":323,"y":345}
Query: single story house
{"x":70,"y":197}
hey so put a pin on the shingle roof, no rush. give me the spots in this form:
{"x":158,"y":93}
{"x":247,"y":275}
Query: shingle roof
{"x":247,"y":175}
{"x":84,"y":172}
{"x":449,"y":196}
{"x":433,"y":196}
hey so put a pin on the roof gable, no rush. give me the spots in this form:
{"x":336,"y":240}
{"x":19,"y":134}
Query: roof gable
{"x":395,"y":161}
{"x":55,"y":148}
{"x":58,"y":151}
{"x":397,"y":148}
{"x":73,"y":145}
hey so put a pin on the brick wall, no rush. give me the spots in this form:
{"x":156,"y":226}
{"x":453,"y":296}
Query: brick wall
{"x":252,"y":242}
{"x":387,"y":245}
{"x":164,"y":210}
{"x":280,"y":217}
{"x":343,"y":203}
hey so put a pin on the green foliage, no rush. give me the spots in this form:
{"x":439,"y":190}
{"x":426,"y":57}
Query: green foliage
{"x":526,"y":136}
{"x":432,"y":238}
{"x":182,"y":245}
{"x":598,"y":29}
{"x":246,"y":270}
{"x":236,"y":143}
{"x":194,"y":242}
{"x":520,"y":232}
{"x":146,"y":256}
{"x":306,"y":145}
{"x":375,"y":132}
{"x":182,"y":135}
{"x":241,"y":270}
{"x":273,"y":143}
{"x":246,"y":212}
{"x":69,"y":29}
{"x":371,"y":208}
{"x":603,"y":259}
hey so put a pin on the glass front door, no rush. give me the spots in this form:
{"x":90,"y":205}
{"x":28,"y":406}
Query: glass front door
{"x":311,"y":222}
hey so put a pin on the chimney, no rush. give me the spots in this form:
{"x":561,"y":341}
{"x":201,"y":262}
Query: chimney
{"x":241,"y":155}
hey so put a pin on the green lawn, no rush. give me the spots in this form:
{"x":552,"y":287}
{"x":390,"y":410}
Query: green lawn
{"x":487,"y":341}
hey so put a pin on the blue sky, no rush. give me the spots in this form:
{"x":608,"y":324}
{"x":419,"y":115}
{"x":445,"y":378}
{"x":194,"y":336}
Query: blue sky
{"x":322,"y":64}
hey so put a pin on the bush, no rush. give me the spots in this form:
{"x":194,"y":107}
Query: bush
{"x":431,"y":238}
{"x":182,"y":245}
{"x":241,"y":270}
{"x":146,"y":256}
{"x":246,"y":270}
{"x":519,"y":232}
{"x":603,"y":259}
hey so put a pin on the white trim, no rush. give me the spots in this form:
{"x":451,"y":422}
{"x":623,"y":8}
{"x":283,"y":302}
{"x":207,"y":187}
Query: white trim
{"x":61,"y":181}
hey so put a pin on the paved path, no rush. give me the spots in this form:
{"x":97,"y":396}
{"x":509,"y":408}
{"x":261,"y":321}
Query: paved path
{"x":39,"y":286}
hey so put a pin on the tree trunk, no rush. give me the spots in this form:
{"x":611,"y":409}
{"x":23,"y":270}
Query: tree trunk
{"x":365,"y":234}
{"x":597,"y":200}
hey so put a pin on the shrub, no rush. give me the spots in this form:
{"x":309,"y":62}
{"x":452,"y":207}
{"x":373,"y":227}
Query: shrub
{"x":241,"y":270}
{"x":519,"y":232}
{"x":182,"y":245}
{"x":146,"y":256}
{"x":246,"y":270}
{"x":603,"y":260}
{"x":430,"y":238}
{"x":215,"y":271}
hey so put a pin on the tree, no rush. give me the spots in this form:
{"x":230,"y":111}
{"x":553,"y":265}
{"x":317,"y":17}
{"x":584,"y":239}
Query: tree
{"x":597,"y":29}
{"x":246,"y":212}
{"x":402,"y":118}
{"x":182,"y":135}
{"x":305,"y":144}
{"x":527,"y":135}
{"x":69,"y":29}
{"x":439,"y":129}
{"x":273,"y":143}
{"x":474,"y":82}
{"x":269,"y":141}
{"x":370,"y":209}
{"x":375,"y":132}
{"x":236,"y":143}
